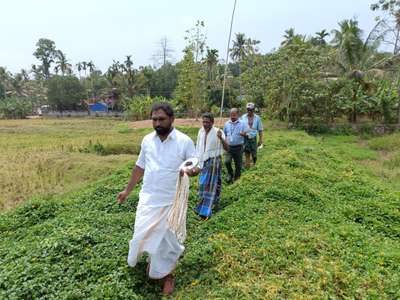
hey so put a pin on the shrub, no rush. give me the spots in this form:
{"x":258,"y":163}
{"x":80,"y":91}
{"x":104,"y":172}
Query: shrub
{"x":15,"y":108}
{"x":64,"y":92}
{"x":138,"y":107}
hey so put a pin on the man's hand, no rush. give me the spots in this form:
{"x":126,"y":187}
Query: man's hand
{"x":121,"y":198}
{"x":260,"y":142}
{"x":190,"y":172}
{"x":181,"y":171}
{"x":193,"y":172}
{"x":243,"y":133}
{"x":219,"y":134}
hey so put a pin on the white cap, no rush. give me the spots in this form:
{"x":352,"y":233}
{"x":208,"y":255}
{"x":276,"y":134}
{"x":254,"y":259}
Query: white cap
{"x":250,"y":105}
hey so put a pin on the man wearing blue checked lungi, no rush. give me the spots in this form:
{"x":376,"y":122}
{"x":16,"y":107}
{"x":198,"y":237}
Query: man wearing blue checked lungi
{"x":209,"y":148}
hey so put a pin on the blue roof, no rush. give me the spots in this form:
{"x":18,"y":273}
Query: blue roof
{"x":98,"y":107}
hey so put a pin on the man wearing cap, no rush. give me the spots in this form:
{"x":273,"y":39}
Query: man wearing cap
{"x":254,"y":125}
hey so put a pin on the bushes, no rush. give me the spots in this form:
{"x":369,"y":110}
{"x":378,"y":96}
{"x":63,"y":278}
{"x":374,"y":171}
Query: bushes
{"x":110,"y":149}
{"x":64,"y":92}
{"x":139,"y":107}
{"x":15,"y":108}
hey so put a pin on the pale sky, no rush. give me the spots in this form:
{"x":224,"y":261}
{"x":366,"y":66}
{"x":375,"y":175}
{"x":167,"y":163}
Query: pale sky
{"x":103,"y":30}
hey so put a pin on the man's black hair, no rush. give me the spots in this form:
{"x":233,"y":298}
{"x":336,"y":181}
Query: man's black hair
{"x":166,"y":107}
{"x":208,"y":116}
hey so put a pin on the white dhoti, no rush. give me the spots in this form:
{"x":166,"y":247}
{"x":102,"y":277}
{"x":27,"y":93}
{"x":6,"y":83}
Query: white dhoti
{"x":152,"y":235}
{"x":161,"y":161}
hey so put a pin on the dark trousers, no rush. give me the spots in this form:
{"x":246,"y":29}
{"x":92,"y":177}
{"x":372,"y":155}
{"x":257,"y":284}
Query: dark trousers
{"x":235,"y":153}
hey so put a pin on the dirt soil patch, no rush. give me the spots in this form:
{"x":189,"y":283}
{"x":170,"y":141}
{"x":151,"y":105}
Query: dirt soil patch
{"x":177,"y":122}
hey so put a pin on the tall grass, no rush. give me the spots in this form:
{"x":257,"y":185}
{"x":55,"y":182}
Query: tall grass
{"x":47,"y":157}
{"x":388,"y":142}
{"x":379,"y":154}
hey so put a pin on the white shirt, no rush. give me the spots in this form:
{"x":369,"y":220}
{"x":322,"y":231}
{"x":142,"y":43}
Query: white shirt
{"x":161,"y":162}
{"x":213,"y":145}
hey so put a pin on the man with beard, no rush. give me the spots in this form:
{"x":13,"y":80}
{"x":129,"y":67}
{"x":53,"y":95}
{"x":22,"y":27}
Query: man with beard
{"x":162,"y":153}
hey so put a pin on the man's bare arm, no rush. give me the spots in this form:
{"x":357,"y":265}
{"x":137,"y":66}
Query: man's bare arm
{"x":137,"y":174}
{"x":223,"y":141}
{"x":260,"y":141}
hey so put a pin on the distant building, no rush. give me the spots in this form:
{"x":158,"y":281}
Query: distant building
{"x":98,"y":107}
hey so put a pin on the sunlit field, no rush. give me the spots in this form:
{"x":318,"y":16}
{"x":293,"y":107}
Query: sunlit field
{"x":44,"y":157}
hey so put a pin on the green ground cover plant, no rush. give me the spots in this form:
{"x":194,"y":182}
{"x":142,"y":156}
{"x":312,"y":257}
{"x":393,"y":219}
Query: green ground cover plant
{"x":309,"y":221}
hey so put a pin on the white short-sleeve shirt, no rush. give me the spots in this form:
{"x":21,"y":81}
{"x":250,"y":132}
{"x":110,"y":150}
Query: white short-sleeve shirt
{"x":160,"y":161}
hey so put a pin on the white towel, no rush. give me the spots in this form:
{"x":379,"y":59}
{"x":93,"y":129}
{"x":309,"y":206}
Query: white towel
{"x":213,"y":145}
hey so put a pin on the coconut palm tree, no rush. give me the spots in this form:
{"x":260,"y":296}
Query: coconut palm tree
{"x":356,"y":57}
{"x":238,"y":54}
{"x":4,"y":74}
{"x":113,"y":72}
{"x":37,"y":72}
{"x":84,"y":66}
{"x":129,"y":74}
{"x":211,"y":62}
{"x":91,"y":67}
{"x":320,"y":38}
{"x":238,"y":51}
{"x":79,"y":67}
{"x":62,"y":63}
{"x":288,"y":36}
{"x":56,"y":69}
{"x":17,"y":85}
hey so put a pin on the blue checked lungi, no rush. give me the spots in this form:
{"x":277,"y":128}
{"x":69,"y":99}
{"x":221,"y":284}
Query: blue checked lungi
{"x":210,"y":181}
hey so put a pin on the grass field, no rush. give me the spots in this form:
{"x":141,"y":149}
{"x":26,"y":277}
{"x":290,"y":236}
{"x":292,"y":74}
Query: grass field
{"x":380,"y":155}
{"x":48,"y":157}
{"x":318,"y":217}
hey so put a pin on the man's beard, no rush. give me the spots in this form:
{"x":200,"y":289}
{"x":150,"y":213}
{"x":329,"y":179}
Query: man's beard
{"x":162,"y":130}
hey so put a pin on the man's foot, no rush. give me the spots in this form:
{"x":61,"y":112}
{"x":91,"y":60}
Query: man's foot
{"x":169,"y":285}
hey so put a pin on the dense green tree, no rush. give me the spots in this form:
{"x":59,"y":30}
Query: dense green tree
{"x":356,"y":58}
{"x":64,"y":92}
{"x":96,"y":85}
{"x":164,"y":81}
{"x":144,"y":79}
{"x":290,"y":84}
{"x":45,"y":52}
{"x":2,"y":91}
{"x":190,"y":89}
{"x":15,"y":108}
